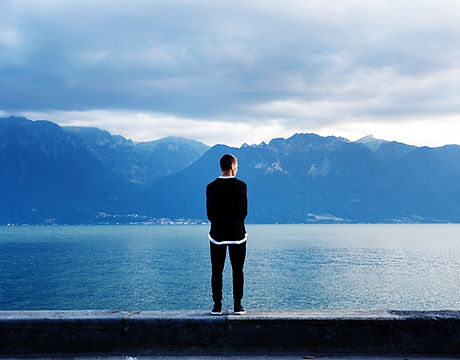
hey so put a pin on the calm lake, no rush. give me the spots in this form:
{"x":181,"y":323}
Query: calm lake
{"x":167,"y":267}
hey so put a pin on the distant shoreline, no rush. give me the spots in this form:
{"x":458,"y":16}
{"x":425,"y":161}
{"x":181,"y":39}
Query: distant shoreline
{"x":207,"y":223}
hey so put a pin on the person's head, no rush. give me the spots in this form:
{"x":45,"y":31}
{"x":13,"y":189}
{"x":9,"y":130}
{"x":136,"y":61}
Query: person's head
{"x":229,"y":165}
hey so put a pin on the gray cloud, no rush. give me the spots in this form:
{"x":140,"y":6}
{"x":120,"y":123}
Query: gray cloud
{"x":305,"y":64}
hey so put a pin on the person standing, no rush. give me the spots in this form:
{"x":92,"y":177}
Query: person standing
{"x":227,"y":207}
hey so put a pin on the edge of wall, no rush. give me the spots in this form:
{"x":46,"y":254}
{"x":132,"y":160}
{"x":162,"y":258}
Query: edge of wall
{"x":429,"y":332}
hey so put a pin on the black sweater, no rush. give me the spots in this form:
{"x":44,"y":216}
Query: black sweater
{"x":227,"y":207}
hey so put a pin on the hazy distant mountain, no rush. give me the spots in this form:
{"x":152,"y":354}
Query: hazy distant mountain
{"x":371,"y":142}
{"x":140,"y":163}
{"x":88,"y":175}
{"x":385,"y":148}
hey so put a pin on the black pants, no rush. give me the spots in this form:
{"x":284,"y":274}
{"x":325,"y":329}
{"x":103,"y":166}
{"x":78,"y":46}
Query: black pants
{"x":237,"y":256}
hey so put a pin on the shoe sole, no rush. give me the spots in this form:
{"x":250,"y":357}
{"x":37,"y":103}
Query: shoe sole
{"x":239,"y":312}
{"x":216,"y":313}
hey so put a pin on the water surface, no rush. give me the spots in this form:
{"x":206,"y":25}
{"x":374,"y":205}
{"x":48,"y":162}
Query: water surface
{"x":167,"y":267}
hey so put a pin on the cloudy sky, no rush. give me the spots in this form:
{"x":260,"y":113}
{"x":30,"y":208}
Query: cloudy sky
{"x":236,"y":71}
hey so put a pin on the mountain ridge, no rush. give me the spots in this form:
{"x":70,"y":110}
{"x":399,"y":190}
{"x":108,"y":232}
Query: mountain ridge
{"x":133,"y":160}
{"x":305,"y":178}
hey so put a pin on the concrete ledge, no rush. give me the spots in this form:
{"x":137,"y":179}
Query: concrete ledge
{"x":429,"y":332}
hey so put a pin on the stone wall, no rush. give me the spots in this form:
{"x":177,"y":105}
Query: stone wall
{"x":429,"y":332}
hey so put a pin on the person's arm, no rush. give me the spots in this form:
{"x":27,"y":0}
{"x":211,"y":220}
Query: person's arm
{"x":244,"y":202}
{"x":210,"y":208}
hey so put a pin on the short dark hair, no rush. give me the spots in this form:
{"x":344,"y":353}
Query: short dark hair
{"x":226,"y":162}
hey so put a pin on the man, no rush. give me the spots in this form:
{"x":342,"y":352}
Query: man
{"x":227,"y":207}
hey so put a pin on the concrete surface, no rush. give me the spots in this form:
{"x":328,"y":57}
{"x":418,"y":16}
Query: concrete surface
{"x":195,"y":333}
{"x":232,"y":356}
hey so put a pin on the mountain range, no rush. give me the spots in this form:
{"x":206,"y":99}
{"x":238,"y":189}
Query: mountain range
{"x":53,"y":174}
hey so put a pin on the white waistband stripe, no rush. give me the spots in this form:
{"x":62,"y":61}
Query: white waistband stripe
{"x":229,"y":242}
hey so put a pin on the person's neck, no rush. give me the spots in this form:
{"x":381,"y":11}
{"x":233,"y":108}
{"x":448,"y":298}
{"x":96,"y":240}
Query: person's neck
{"x":226,"y":173}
